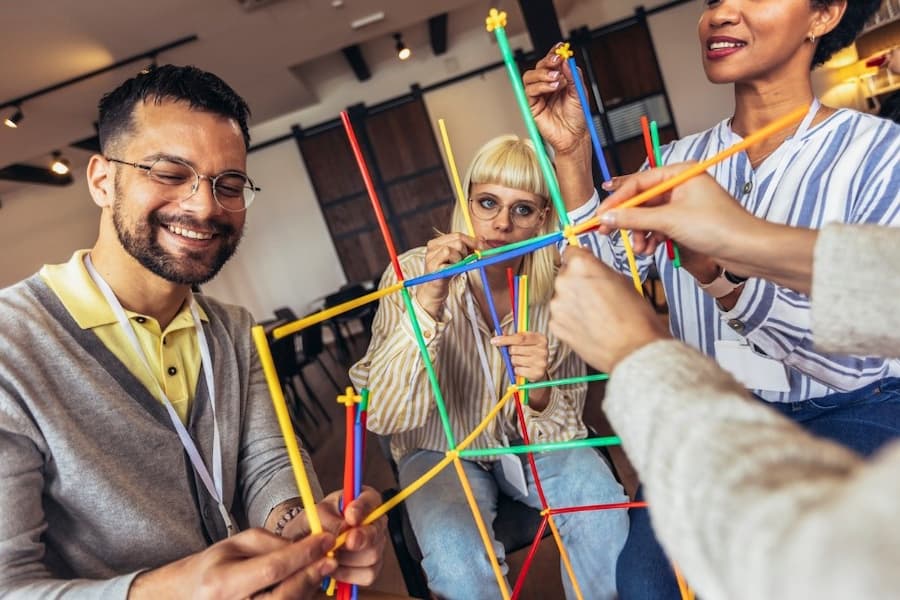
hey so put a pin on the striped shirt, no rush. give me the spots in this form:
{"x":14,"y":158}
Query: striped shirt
{"x":401,"y":402}
{"x":845,"y":169}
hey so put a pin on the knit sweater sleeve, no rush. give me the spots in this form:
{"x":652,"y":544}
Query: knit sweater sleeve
{"x":746,"y":503}
{"x":23,"y":571}
{"x":856,"y":283}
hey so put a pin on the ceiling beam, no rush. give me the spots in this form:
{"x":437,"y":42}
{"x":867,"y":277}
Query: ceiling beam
{"x":543,"y":24}
{"x":437,"y":33}
{"x":357,"y":62}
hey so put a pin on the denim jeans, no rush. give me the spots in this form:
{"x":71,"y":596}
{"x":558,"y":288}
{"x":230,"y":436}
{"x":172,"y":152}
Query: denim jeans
{"x":454,"y":560}
{"x":864,"y":420}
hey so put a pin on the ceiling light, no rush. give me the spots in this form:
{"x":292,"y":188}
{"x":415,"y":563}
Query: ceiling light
{"x":403,"y":52}
{"x":60,"y":165}
{"x":14,"y":119}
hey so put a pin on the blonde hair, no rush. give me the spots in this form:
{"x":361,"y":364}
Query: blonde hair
{"x":510,"y":161}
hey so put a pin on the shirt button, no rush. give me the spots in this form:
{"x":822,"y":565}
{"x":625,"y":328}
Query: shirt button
{"x":427,"y":335}
{"x":140,"y":319}
{"x":747,"y":187}
{"x":736,"y":324}
{"x":172,"y":370}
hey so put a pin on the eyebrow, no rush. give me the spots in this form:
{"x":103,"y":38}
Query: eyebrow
{"x":495,"y":197}
{"x":171,"y":157}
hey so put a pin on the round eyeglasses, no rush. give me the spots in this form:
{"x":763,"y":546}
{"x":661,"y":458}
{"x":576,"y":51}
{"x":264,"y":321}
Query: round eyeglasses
{"x":523,"y":214}
{"x":177,"y":181}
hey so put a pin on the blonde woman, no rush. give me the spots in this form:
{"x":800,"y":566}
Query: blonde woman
{"x":508,"y":202}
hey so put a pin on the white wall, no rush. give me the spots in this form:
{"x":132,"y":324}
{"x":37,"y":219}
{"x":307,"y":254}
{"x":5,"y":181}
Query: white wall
{"x":286,"y":257}
{"x":41,"y":224}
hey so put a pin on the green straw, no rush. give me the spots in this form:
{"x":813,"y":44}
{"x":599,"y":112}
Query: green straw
{"x":654,"y":137}
{"x":364,"y":403}
{"x":585,"y":443}
{"x":567,"y":381}
{"x":429,"y":367}
{"x":546,"y":167}
{"x":516,"y":245}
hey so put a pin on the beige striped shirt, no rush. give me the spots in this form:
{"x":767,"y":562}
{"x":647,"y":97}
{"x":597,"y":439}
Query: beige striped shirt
{"x":401,"y":402}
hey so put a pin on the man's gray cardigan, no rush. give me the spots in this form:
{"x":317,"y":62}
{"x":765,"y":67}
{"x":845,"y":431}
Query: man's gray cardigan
{"x":94,"y":483}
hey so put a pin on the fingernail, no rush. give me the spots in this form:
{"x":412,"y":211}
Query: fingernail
{"x":554,"y":85}
{"x":554,"y":75}
{"x":608,"y":218}
{"x":607,"y":185}
{"x":327,"y":567}
{"x":555,"y":58}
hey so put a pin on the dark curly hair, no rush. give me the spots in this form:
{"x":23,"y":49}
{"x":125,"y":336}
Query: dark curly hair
{"x":200,"y":89}
{"x":858,"y":12}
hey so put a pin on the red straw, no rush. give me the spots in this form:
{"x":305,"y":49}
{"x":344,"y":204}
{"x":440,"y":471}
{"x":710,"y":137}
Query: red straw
{"x":572,"y":509}
{"x":512,"y":295}
{"x":648,"y":141}
{"x":373,"y":195}
{"x":520,"y":581}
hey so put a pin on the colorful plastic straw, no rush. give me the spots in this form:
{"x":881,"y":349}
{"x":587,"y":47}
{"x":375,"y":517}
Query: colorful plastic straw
{"x":565,"y":381}
{"x":648,"y":142}
{"x":460,"y":194}
{"x":522,"y":312}
{"x":545,"y":447}
{"x":287,"y":430}
{"x":373,"y":195}
{"x":671,"y":247}
{"x":589,"y":120}
{"x":496,"y":23}
{"x":528,"y":559}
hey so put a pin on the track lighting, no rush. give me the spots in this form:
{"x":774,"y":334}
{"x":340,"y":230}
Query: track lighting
{"x":403,"y":51}
{"x":60,"y":165}
{"x":14,"y":119}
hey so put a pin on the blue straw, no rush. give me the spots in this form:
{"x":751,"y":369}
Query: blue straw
{"x":484,"y":262}
{"x":504,"y":351}
{"x":586,"y":109}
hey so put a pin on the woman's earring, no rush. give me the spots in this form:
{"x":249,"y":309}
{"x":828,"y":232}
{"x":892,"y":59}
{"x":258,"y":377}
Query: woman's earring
{"x":812,"y":38}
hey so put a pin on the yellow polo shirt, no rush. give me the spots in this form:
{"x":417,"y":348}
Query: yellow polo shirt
{"x":173,"y":354}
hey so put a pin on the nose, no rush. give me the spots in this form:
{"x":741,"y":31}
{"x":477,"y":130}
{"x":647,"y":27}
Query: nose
{"x":723,"y":12}
{"x":503,"y":220}
{"x":202,"y":203}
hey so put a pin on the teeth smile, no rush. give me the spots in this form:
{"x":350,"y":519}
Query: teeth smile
{"x":188,"y":233}
{"x":723,"y":45}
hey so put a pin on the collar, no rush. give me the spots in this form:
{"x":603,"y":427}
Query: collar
{"x":72,"y":283}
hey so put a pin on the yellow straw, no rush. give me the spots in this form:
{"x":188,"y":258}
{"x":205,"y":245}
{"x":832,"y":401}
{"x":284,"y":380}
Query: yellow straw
{"x":686,"y":592}
{"x":479,"y":522}
{"x":324,"y":315}
{"x":632,"y":263}
{"x":287,"y":430}
{"x":521,"y":310}
{"x":483,"y":425}
{"x":657,"y":190}
{"x":460,"y":195}
{"x":564,"y":556}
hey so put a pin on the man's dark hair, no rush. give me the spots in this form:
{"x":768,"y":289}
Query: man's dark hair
{"x":200,"y":89}
{"x":856,"y":15}
{"x":890,"y":107}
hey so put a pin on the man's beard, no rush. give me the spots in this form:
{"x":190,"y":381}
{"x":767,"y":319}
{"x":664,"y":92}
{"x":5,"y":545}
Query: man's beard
{"x":190,"y":268}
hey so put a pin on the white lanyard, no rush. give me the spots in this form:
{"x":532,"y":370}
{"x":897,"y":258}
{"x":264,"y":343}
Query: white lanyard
{"x":788,"y":146}
{"x":213,"y":484}
{"x":476,"y":333}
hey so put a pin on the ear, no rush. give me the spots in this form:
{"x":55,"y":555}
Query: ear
{"x":100,"y":181}
{"x":826,"y":17}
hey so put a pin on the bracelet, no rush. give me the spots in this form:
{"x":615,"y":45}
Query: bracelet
{"x":286,"y":518}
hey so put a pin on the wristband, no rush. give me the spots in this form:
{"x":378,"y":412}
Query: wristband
{"x":286,"y":518}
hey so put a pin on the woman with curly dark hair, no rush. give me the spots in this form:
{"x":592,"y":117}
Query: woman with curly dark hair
{"x":837,"y":165}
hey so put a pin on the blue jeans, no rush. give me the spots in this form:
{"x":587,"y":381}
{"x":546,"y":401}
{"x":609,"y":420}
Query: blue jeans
{"x":864,"y":420}
{"x":454,"y":560}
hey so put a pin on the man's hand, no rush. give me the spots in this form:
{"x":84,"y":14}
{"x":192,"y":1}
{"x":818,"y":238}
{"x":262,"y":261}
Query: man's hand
{"x":254,"y":563}
{"x":360,"y":558}
{"x":598,"y":314}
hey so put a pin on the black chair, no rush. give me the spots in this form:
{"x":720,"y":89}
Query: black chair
{"x":311,"y":347}
{"x":284,"y":357}
{"x":341,"y":324}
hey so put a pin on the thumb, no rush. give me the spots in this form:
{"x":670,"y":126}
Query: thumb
{"x":640,"y":219}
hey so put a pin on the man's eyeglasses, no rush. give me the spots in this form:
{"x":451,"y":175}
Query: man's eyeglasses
{"x":524,"y":215}
{"x":178,"y":181}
